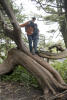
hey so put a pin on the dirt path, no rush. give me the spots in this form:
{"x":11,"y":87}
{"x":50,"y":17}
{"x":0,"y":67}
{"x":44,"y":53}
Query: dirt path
{"x":17,"y":91}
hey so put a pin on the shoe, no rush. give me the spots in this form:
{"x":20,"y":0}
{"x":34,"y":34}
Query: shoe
{"x":36,"y":52}
{"x":33,"y":53}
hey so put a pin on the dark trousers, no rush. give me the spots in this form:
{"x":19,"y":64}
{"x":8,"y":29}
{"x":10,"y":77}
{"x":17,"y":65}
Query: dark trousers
{"x":33,"y":41}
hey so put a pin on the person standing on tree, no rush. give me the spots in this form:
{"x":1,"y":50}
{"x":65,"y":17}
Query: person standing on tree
{"x":30,"y":30}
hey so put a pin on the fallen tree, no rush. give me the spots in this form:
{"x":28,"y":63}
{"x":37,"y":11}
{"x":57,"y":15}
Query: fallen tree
{"x":48,"y":78}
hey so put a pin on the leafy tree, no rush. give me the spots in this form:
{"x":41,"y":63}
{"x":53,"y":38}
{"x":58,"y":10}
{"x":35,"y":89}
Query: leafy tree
{"x":56,"y":10}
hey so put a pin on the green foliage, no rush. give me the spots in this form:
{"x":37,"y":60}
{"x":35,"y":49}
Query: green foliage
{"x":50,"y":1}
{"x":51,"y":10}
{"x":41,"y":42}
{"x":5,"y":45}
{"x":20,"y":74}
{"x":51,"y":18}
{"x":62,"y":24}
{"x":61,"y":67}
{"x":51,"y":31}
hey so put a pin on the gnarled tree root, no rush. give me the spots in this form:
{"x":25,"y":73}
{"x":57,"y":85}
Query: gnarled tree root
{"x":45,"y":78}
{"x":58,"y":96}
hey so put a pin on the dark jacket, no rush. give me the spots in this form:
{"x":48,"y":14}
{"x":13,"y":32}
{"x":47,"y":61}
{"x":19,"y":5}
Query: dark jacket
{"x":29,"y":27}
{"x":36,"y":30}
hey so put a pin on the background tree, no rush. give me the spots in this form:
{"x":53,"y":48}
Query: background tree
{"x":56,"y":10}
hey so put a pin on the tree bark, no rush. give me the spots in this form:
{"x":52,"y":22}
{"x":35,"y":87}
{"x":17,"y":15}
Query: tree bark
{"x":49,"y":79}
{"x":44,"y":77}
{"x":46,"y":54}
{"x":65,"y":34}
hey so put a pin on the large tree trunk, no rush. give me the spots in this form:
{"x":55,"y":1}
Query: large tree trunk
{"x":65,"y":34}
{"x":45,"y":78}
{"x":49,"y":79}
{"x":63,"y":23}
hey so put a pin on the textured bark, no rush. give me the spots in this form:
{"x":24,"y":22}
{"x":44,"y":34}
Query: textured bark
{"x":65,"y":33}
{"x":46,"y":54}
{"x":49,"y":79}
{"x":44,"y":76}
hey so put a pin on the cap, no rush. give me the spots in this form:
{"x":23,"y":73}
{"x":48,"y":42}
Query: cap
{"x":34,"y":18}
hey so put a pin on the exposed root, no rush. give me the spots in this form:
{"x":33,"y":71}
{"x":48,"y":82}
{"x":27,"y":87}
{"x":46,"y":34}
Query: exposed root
{"x":40,"y":98}
{"x":62,"y":96}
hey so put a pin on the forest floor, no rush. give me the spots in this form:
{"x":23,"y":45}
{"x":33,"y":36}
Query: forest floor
{"x":18,"y":91}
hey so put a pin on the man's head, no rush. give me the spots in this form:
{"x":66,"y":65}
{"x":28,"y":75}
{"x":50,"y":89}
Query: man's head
{"x":33,"y":19}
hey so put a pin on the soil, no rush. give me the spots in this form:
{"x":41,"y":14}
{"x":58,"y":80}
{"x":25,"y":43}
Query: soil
{"x":18,"y":91}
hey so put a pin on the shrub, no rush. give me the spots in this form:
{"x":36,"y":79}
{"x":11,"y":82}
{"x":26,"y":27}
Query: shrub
{"x":20,"y":74}
{"x":61,"y":67}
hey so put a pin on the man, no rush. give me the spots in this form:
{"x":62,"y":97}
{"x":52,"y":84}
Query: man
{"x":30,"y":29}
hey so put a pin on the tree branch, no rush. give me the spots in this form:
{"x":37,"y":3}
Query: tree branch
{"x":10,"y":14}
{"x":16,"y":33}
{"x":52,"y":6}
{"x":46,"y":54}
